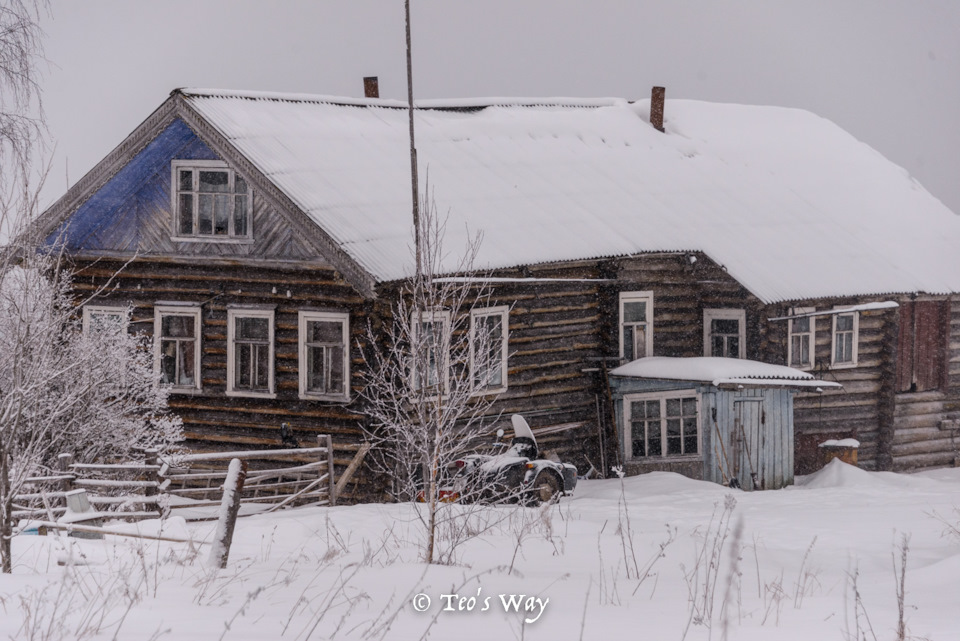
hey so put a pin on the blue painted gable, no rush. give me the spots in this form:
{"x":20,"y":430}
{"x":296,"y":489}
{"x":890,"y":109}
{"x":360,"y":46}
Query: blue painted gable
{"x":121,"y":215}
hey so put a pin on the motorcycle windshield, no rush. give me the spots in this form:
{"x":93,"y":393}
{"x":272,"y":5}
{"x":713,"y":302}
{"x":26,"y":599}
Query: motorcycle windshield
{"x":523,"y":444}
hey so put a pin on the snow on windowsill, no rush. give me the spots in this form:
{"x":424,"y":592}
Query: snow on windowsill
{"x":846,"y":442}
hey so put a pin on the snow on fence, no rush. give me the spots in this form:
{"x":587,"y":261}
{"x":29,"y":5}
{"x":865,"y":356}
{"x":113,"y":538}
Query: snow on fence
{"x":195,"y":481}
{"x":190,"y":485}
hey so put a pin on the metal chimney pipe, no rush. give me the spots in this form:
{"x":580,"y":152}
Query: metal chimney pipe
{"x":371,"y":87}
{"x":656,"y":107}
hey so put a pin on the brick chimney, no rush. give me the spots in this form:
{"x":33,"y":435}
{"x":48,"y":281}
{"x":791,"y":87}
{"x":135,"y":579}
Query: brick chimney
{"x":656,"y":107}
{"x":371,"y":87}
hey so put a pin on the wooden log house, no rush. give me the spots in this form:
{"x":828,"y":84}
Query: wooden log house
{"x":255,"y":234}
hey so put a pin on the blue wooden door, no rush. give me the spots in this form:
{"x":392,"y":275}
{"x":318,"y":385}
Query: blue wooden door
{"x":749,"y":436}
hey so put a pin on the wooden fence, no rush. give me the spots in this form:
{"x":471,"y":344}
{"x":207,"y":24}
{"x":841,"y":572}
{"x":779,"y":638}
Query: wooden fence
{"x":190,"y":485}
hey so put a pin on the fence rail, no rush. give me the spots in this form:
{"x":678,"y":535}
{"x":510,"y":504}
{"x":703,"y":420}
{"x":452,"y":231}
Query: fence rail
{"x":188,"y":485}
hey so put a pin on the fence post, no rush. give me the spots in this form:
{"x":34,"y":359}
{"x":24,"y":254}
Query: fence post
{"x":63,"y":466}
{"x":229,"y":509}
{"x":325,"y":440}
{"x":152,"y":457}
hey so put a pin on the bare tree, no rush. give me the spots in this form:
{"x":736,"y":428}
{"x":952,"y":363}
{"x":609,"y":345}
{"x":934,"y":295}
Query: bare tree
{"x":21,"y":109}
{"x":91,"y":392}
{"x":428,"y":379}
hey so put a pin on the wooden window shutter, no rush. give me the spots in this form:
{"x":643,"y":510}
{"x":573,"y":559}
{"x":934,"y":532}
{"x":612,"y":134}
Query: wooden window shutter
{"x":932,"y":323}
{"x":922,"y":352}
{"x":905,"y":347}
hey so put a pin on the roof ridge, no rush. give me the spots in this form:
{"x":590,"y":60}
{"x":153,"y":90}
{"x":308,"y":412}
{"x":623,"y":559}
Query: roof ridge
{"x":431,"y":103}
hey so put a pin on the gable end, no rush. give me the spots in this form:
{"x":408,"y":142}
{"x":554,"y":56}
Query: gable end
{"x":125,"y":206}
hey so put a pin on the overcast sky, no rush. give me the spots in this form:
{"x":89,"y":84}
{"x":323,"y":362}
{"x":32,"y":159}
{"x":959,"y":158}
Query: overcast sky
{"x":888,"y":71}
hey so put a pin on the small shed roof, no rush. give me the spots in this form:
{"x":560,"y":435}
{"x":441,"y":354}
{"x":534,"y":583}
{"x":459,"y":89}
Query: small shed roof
{"x":719,"y":371}
{"x":790,"y":204}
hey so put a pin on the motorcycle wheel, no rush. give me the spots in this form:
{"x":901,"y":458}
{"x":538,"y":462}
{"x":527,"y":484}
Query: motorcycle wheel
{"x":546,"y":488}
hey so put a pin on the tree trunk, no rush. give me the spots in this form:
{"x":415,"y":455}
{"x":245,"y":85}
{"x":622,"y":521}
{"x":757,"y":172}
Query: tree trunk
{"x":6,"y":534}
{"x":431,"y":523}
{"x":6,"y":512}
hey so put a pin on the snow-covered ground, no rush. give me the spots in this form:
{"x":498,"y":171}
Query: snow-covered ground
{"x":656,"y":557}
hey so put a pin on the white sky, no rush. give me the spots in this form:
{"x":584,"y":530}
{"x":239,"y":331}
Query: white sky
{"x":888,"y":71}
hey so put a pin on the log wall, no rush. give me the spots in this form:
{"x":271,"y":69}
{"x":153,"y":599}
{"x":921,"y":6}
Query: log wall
{"x":563,"y":335}
{"x":926,"y":423}
{"x":854,"y":411}
{"x":553,"y":338}
{"x":213,"y":421}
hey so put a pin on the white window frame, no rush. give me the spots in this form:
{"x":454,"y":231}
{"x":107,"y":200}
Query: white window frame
{"x":234,"y":313}
{"x":199,"y":165}
{"x":304,"y":317}
{"x":811,"y":336}
{"x":628,"y":399}
{"x":724,"y":314}
{"x":432,"y":316}
{"x":854,"y":348}
{"x":89,"y":311}
{"x":189,"y":310}
{"x":504,"y":313}
{"x":637,"y":297}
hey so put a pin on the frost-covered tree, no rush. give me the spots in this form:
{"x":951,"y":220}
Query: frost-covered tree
{"x":21,"y":112}
{"x":93,"y":393}
{"x":65,"y":388}
{"x":429,"y":375}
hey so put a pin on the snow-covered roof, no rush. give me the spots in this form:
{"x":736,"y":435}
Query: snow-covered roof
{"x":719,"y":371}
{"x":791,"y":205}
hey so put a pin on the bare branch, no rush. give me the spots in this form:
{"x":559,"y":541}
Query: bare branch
{"x":425,"y":388}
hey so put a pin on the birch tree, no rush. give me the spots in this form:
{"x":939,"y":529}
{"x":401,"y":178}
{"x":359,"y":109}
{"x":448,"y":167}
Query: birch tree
{"x":428,"y":379}
{"x":21,"y":108}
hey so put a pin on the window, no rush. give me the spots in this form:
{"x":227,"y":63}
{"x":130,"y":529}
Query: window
{"x":250,"y":352}
{"x":430,"y":346}
{"x":923,"y":346}
{"x":724,"y":333}
{"x":843,"y":352}
{"x":96,"y":318}
{"x":176,"y":331}
{"x":661,"y":425}
{"x":324,"y":355}
{"x":210,"y":201}
{"x":802,"y":341}
{"x":488,"y":349}
{"x":636,"y":325}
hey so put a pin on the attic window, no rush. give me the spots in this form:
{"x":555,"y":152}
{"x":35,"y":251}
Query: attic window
{"x":210,"y":201}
